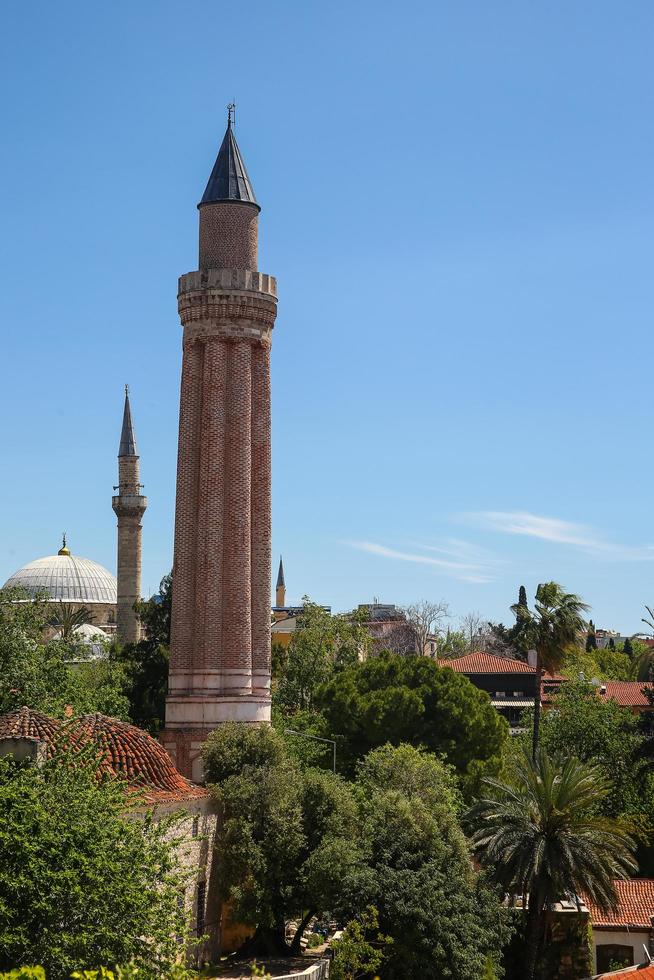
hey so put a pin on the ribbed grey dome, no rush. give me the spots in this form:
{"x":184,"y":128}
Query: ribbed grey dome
{"x":68,"y":578}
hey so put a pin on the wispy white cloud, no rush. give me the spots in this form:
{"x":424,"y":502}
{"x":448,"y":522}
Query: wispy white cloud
{"x":467,"y":570}
{"x":558,"y":531}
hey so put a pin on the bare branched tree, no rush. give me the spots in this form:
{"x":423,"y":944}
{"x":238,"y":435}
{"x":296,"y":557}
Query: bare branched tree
{"x":428,"y":621}
{"x":474,"y":626}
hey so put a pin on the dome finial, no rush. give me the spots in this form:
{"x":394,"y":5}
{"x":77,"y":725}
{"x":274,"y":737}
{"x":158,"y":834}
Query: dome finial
{"x":64,"y":550}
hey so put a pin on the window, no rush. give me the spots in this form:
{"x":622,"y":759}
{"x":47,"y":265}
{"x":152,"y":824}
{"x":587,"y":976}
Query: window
{"x":612,"y":954}
{"x":518,"y":694}
{"x":195,"y":827}
{"x":181,"y":900}
{"x":500,"y":694}
{"x":202,"y":897}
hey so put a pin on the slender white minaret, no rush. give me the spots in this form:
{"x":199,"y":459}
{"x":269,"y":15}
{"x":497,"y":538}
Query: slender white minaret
{"x":129,"y":506}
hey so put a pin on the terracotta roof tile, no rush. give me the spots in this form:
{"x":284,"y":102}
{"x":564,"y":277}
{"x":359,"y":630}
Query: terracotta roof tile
{"x":642,"y":972}
{"x":136,"y":756}
{"x":487,"y":663}
{"x":26,"y":723}
{"x":635,"y":908}
{"x":129,"y":752}
{"x":627,"y":693}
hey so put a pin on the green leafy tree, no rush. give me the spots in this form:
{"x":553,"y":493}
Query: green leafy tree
{"x":83,"y":879}
{"x":607,"y":735}
{"x":555,"y":623}
{"x":50,"y":676}
{"x":442,"y":918}
{"x":288,"y":837}
{"x":411,"y":699}
{"x":360,"y":950}
{"x":541,"y":835}
{"x":453,"y":644}
{"x":628,"y":647}
{"x":321,"y":646}
{"x":145,"y":663}
{"x":601,"y":664}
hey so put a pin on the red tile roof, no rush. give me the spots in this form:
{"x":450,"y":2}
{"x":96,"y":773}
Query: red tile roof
{"x":136,"y":756}
{"x":635,"y":908}
{"x":487,"y":663}
{"x":643,"y":972}
{"x":128,"y":751}
{"x":627,"y":693}
{"x":25,"y":723}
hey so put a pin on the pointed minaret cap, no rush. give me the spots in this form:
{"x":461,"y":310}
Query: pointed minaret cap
{"x":229,"y":179}
{"x":280,"y":575}
{"x":127,"y":438}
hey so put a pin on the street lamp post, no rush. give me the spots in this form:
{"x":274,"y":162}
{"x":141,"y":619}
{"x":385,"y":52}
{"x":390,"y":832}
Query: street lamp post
{"x":291,"y":731}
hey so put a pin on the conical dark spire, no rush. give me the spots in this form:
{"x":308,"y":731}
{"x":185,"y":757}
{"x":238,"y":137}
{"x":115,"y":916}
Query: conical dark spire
{"x":127,"y":438}
{"x":280,"y":575}
{"x":229,"y":179}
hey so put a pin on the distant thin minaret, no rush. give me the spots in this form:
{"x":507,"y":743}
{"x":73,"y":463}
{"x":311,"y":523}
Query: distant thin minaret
{"x":129,"y":507}
{"x":280,"y":589}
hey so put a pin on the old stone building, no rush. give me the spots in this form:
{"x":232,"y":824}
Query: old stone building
{"x":220,"y":648}
{"x":129,"y":753}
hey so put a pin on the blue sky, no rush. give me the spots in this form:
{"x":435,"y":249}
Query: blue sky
{"x":457,"y":202}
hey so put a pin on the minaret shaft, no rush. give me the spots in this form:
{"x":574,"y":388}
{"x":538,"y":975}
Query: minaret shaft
{"x":220,"y":646}
{"x":129,"y":506}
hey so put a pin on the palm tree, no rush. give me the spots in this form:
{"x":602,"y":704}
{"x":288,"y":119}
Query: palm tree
{"x":541,"y":836}
{"x":555,"y":623}
{"x":68,"y":618}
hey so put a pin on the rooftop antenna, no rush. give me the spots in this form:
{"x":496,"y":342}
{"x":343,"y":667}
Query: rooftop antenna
{"x":231,"y":114}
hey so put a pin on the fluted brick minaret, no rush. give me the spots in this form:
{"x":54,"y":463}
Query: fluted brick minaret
{"x":129,"y":506}
{"x":220,"y":647}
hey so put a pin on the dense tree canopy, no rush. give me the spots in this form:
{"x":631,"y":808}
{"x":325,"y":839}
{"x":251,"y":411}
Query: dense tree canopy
{"x":604,"y":733}
{"x":441,"y":917}
{"x":411,"y":699}
{"x":145,"y":664}
{"x":302,"y":842}
{"x":288,"y":836}
{"x":82,"y":882}
{"x":321,"y":646}
{"x":48,"y":676}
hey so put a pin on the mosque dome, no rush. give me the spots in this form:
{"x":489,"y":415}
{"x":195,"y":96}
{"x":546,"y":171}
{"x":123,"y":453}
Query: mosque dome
{"x":67,"y":578}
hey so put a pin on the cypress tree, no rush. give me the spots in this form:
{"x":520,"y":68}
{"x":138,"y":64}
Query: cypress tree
{"x":628,"y":647}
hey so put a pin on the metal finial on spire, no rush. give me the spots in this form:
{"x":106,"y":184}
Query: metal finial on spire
{"x":127,"y":445}
{"x":229,"y":179}
{"x":64,"y":550}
